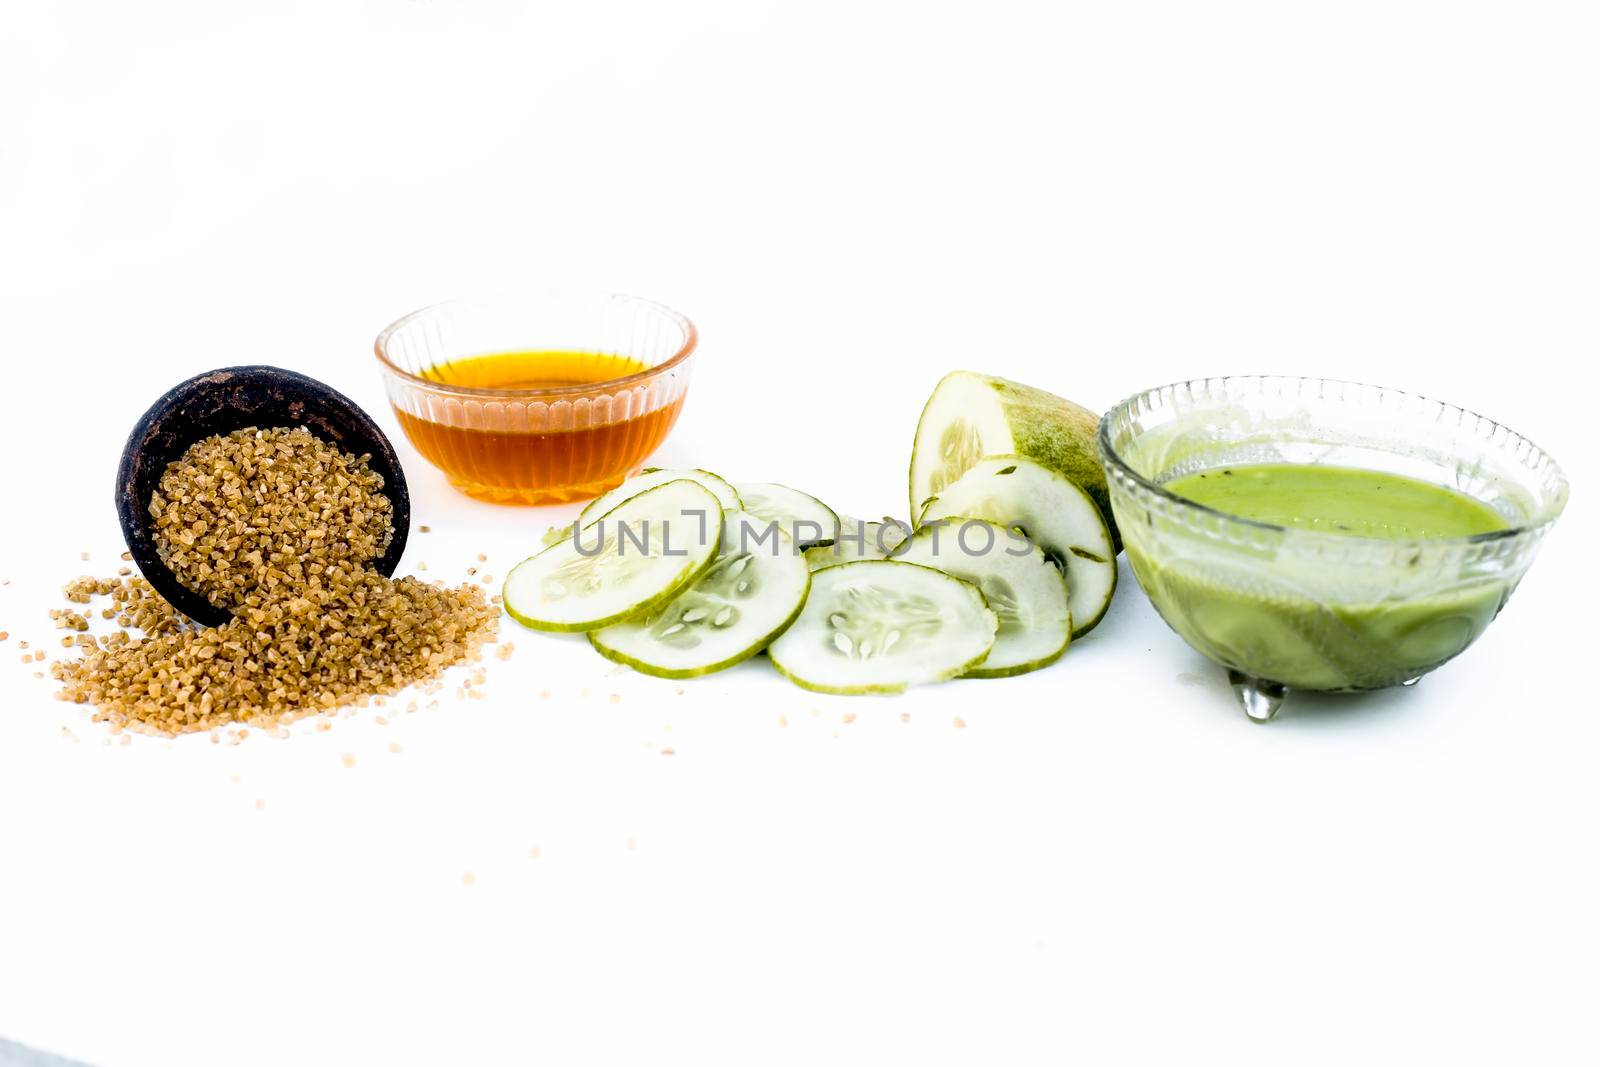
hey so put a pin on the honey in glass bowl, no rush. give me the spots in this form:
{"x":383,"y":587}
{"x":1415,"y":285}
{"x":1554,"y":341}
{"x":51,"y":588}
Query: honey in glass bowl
{"x":512,"y":423}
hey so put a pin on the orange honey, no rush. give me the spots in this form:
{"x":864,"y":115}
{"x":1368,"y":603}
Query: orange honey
{"x":549,"y":449}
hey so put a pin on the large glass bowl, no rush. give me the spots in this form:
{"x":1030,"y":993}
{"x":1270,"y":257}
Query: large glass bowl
{"x":1288,"y":608}
{"x":510,"y":442}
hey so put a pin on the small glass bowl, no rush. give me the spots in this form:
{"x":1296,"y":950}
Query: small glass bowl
{"x":1288,"y":608}
{"x":552,"y":443}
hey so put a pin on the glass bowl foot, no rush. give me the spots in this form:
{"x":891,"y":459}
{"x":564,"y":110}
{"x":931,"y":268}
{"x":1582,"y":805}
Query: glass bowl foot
{"x":1259,"y":697}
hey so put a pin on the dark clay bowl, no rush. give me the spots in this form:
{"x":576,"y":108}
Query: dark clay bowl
{"x":220,"y":402}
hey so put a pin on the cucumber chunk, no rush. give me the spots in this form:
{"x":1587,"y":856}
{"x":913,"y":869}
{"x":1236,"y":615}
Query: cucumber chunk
{"x":854,"y":539}
{"x":972,"y":415}
{"x":649,"y":478}
{"x":638,"y":555}
{"x":748,"y":596}
{"x":878,"y":626}
{"x":807,"y":520}
{"x":1022,"y":586}
{"x":1053,"y":512}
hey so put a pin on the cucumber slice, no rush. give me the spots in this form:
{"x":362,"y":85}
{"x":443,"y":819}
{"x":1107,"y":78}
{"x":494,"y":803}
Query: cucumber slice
{"x":1053,"y":512}
{"x":879,"y":625}
{"x":854,"y":539}
{"x":748,"y":596}
{"x":970,"y":416}
{"x":1022,"y":587}
{"x":803,"y":517}
{"x":638,"y":555}
{"x":649,"y":478}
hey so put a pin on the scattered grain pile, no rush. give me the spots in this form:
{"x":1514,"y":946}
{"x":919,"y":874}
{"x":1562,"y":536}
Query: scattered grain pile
{"x":280,"y":528}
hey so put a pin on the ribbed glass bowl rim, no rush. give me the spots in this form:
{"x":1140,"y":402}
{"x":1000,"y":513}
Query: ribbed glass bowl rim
{"x":1119,"y":468}
{"x":691,"y":338}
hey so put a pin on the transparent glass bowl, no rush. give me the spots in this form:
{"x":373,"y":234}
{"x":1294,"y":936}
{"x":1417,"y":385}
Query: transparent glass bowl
{"x":551,"y":443}
{"x":1299,"y":609}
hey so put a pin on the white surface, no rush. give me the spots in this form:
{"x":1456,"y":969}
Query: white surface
{"x":1108,"y":864}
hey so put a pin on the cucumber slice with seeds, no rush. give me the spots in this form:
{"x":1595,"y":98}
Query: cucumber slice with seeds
{"x":651,"y":477}
{"x":972,"y":415}
{"x":1053,"y":512}
{"x":854,"y":539}
{"x":803,"y":517}
{"x":878,"y":626}
{"x":1022,"y":587}
{"x":638,"y":555}
{"x":749,"y":596}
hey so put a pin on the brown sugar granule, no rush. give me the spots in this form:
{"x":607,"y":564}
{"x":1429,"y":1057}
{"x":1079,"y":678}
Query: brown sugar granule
{"x":280,"y":528}
{"x":5,"y":635}
{"x":424,"y":529}
{"x":238,"y":516}
{"x":348,"y":760}
{"x":961,"y":724}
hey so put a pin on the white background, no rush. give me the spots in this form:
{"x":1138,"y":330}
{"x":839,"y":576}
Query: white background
{"x":1108,"y":864}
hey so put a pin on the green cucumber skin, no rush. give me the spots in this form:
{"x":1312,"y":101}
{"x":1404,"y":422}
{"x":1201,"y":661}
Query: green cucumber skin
{"x":1050,"y":430}
{"x":1021,"y":668}
{"x":700,"y":672}
{"x":841,"y":691}
{"x":964,"y":671}
{"x":1036,"y":419}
